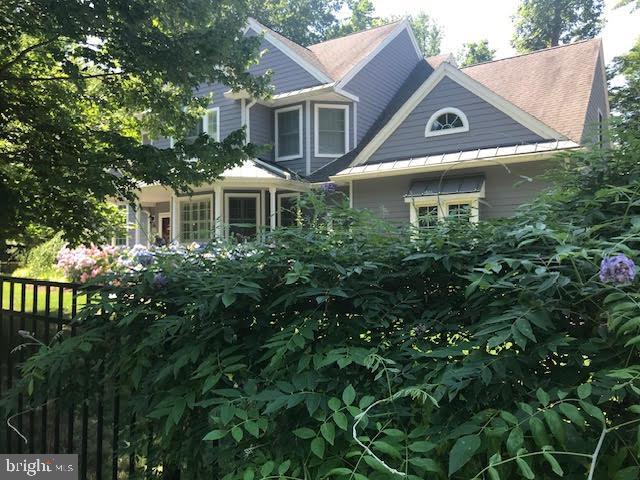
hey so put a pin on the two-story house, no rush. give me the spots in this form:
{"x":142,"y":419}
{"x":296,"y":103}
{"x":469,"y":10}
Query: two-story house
{"x":414,"y":139}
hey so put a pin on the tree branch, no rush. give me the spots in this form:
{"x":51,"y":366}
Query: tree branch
{"x":24,"y":53}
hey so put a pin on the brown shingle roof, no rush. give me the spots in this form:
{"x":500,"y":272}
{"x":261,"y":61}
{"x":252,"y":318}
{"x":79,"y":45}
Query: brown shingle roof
{"x":436,"y":60}
{"x":553,"y":85}
{"x":340,"y":55}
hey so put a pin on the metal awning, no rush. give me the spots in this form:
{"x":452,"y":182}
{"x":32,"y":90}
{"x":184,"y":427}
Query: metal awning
{"x":446,"y":186}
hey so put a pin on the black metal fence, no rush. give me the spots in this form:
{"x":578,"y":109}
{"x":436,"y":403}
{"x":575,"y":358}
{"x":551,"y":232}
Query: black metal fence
{"x":93,"y":429}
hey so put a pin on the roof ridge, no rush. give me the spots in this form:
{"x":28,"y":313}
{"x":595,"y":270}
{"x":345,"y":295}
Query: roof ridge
{"x":534,"y":52}
{"x":280,"y":34}
{"x":356,"y":33}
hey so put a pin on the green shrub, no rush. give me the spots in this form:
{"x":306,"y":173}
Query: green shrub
{"x":461,"y":352}
{"x":40,"y":261}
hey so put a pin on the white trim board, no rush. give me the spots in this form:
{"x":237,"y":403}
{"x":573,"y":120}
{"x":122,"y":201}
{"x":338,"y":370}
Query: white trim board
{"x":447,"y":70}
{"x":276,"y":42}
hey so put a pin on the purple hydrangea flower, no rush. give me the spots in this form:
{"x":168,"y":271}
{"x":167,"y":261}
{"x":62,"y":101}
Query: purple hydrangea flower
{"x":328,"y":187}
{"x":619,"y":269}
{"x":160,"y":280}
{"x":142,"y":256}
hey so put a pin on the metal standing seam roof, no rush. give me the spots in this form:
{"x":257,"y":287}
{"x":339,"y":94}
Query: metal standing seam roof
{"x":445,"y":186}
{"x":461,"y":156}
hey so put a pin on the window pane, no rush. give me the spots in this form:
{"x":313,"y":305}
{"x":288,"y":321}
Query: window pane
{"x":331,"y":131}
{"x":212,"y":124}
{"x":446,"y":121}
{"x":428,"y":216}
{"x":289,"y":133}
{"x":195,"y":130}
{"x":459,"y":210}
{"x":242,"y":217}
{"x":195,"y":220}
{"x":122,"y":238}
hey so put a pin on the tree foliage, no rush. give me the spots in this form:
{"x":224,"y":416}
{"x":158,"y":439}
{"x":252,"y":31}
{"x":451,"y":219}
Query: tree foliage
{"x":548,"y":23}
{"x":625,"y":97}
{"x":303,"y":21}
{"x":475,"y":52}
{"x":459,"y":352}
{"x":74,"y":79}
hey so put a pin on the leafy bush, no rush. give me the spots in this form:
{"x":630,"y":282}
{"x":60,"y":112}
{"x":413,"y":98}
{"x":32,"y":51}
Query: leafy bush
{"x":40,"y":261}
{"x":492,"y":351}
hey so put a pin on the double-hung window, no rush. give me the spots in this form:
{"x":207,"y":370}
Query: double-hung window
{"x":331,"y":131}
{"x":289,"y":133}
{"x":209,"y":123}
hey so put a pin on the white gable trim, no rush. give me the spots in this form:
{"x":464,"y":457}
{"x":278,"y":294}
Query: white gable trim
{"x":268,"y":35}
{"x":402,"y":26}
{"x":447,"y":70}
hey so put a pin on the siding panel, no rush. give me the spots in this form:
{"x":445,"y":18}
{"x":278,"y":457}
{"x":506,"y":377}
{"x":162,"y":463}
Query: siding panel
{"x":505,"y":191}
{"x":261,"y":131}
{"x":597,"y":101}
{"x":377,"y":83}
{"x":488,"y":127}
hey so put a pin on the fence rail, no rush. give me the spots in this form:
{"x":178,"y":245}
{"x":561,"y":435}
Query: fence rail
{"x":93,"y":429}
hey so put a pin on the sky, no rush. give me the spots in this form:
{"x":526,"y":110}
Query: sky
{"x":472,"y":20}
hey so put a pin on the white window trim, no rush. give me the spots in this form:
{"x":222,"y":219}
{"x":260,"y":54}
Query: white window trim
{"x":443,"y":202}
{"x":279,"y":208}
{"x":283,"y":110}
{"x":205,"y":122}
{"x":194,"y":198}
{"x":228,"y":195}
{"x":316,"y":128}
{"x":448,"y":131}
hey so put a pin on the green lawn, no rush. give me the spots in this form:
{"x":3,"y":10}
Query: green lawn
{"x":67,"y":299}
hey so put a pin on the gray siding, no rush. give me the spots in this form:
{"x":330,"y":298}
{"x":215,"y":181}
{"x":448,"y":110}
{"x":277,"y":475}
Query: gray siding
{"x":377,"y":83}
{"x":505,"y":191}
{"x":597,"y":101}
{"x":318,"y":162}
{"x":488,"y":126}
{"x":261,"y":131}
{"x":286,"y":74}
{"x":230,"y":110}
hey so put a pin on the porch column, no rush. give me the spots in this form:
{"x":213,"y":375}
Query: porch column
{"x":138,"y":221}
{"x":173,"y":223}
{"x":272,"y":207}
{"x":217,"y":217}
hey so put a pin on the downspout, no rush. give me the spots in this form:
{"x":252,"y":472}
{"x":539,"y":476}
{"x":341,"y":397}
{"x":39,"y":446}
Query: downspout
{"x":247,"y":119}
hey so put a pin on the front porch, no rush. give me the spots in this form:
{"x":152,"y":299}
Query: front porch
{"x":247,"y":200}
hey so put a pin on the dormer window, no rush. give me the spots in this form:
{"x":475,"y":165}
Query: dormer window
{"x":446,"y":121}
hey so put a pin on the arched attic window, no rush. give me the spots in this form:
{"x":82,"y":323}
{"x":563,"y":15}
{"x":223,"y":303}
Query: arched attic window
{"x":445,"y":121}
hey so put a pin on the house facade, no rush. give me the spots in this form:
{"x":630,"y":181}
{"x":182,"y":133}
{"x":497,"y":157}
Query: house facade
{"x":413,"y":139}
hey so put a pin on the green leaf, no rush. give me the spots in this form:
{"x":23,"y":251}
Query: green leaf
{"x":553,"y":463}
{"x":584,"y":390}
{"x":525,"y":469}
{"x":515,"y":440}
{"x":215,"y":435}
{"x":267,"y":468}
{"x":462,"y":451}
{"x":227,"y":411}
{"x":539,"y":432}
{"x":334,"y":404}
{"x":524,"y":327}
{"x":340,"y":471}
{"x":237,"y":434}
{"x":365,"y":401}
{"x":340,"y":419}
{"x":572,"y":413}
{"x":317,"y":447}
{"x":593,"y":411}
{"x":249,"y":474}
{"x":421,"y":447}
{"x":493,"y":474}
{"x":228,"y":299}
{"x":348,"y":395}
{"x":304,"y":433}
{"x":252,"y":427}
{"x":328,"y":432}
{"x":427,"y":464}
{"x":284,"y":466}
{"x":556,"y":425}
{"x":543,"y":397}
{"x":384,"y":447}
